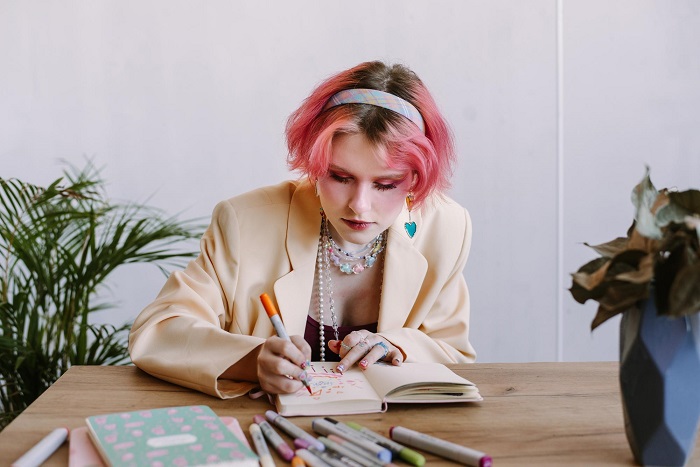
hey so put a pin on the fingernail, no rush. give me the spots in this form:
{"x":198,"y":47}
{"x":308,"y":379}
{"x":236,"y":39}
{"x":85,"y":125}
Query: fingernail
{"x":363,"y":363}
{"x":340,"y":368}
{"x":397,"y":361}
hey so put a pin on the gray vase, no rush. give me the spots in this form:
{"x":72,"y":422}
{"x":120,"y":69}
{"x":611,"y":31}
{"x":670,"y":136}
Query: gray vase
{"x":660,"y":384}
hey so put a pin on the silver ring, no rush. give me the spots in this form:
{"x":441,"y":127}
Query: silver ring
{"x":383,"y":346}
{"x":362,"y":343}
{"x":345,"y":346}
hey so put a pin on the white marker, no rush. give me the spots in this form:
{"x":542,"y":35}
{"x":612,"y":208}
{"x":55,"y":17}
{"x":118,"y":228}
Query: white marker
{"x":43,"y":449}
{"x":440,"y":447}
{"x":261,"y":445}
{"x":325,"y":426}
{"x":292,"y":430}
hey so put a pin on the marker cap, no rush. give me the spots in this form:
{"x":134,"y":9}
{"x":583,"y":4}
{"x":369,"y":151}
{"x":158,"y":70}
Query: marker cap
{"x":412,"y":457}
{"x":268,"y":305}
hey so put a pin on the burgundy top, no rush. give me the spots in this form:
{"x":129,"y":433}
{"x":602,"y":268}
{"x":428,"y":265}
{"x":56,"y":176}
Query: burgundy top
{"x":311,"y":336}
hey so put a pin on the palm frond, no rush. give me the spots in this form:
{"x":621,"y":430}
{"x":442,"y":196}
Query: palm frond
{"x":58,"y":247}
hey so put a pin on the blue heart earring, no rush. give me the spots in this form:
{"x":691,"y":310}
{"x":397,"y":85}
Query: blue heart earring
{"x":410,"y":226}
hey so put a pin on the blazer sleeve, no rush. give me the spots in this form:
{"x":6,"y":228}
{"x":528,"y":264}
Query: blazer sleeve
{"x":437,"y":330}
{"x":189,"y":334}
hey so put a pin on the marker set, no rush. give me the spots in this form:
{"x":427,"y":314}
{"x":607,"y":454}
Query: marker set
{"x":349,"y":444}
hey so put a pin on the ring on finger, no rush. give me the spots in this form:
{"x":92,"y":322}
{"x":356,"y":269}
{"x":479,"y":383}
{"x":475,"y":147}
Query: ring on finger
{"x":345,"y":346}
{"x":362,"y":343}
{"x":384,"y":347}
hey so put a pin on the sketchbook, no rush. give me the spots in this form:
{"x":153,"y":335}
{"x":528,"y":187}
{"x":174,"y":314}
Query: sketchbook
{"x":82,"y":452}
{"x":189,"y":435}
{"x":371,"y":390}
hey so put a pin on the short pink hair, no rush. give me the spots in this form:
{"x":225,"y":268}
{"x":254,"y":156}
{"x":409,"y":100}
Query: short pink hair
{"x":310,"y":130}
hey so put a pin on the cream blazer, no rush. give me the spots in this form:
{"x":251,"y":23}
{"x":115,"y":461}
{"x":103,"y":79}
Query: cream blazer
{"x":209,"y":315}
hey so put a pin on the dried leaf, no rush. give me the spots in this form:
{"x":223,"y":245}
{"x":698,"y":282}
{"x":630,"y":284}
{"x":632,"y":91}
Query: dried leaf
{"x":671,"y":213}
{"x":662,"y":250}
{"x":662,"y":200}
{"x":619,"y":297}
{"x":684,"y":297}
{"x":644,"y":198}
{"x":627,"y":261}
{"x":611,"y":248}
{"x":693,"y":222}
{"x":622,"y":295}
{"x":583,"y":293}
{"x":602,"y":316}
{"x":637,"y":241}
{"x":591,"y":281}
{"x":642,"y":275}
{"x":688,"y":200}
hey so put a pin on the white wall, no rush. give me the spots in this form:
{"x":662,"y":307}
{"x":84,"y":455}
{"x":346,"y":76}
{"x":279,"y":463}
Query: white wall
{"x":556,"y":106}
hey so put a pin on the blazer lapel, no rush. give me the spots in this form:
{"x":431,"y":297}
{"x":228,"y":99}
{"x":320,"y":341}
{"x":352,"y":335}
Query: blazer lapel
{"x":404,"y":271}
{"x":293,"y":291}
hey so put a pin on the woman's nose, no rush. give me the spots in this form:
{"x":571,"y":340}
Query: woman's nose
{"x":360,"y":200}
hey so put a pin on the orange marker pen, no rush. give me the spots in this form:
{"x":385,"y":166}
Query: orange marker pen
{"x":274,"y":316}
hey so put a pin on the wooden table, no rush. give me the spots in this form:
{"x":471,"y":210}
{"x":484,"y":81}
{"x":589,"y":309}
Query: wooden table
{"x":532,"y":413}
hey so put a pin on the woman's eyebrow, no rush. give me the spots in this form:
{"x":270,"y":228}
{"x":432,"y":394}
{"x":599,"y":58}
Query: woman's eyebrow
{"x":391,"y":176}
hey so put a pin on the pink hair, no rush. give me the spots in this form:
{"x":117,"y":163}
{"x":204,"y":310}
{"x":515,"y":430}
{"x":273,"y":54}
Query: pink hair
{"x":310,"y":130}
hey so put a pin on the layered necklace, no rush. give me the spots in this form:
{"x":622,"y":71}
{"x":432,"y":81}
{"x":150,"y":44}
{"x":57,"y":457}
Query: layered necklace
{"x":348,"y":262}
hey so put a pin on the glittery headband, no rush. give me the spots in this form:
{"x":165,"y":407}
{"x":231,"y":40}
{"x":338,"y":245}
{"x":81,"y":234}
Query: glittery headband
{"x":380,"y":99}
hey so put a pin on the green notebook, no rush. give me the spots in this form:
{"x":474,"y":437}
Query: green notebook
{"x":189,"y":435}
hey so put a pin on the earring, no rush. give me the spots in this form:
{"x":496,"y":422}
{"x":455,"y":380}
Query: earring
{"x":410,"y":226}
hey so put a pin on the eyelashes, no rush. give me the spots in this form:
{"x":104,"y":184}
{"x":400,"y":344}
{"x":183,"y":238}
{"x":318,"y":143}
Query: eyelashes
{"x":382,"y":187}
{"x":340,"y":179}
{"x":378,"y":186}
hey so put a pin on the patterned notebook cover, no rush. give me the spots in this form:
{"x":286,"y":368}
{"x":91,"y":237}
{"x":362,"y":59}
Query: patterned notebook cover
{"x":82,"y":451}
{"x":190,"y":435}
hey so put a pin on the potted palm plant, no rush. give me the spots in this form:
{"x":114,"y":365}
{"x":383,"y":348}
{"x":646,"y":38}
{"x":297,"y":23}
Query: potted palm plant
{"x":58,"y":246}
{"x":652,"y":277}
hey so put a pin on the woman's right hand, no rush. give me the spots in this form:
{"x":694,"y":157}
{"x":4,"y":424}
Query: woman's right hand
{"x":281,"y":364}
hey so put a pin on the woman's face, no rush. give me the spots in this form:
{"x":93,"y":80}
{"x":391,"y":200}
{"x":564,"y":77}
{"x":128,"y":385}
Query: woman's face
{"x":360,"y":194}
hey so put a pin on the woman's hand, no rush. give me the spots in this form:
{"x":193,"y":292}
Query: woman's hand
{"x":281,"y":364}
{"x":364,"y":348}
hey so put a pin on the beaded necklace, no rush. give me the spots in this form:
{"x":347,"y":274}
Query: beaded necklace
{"x":329,"y":252}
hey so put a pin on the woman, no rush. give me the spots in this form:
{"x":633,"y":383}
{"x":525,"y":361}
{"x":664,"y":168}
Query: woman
{"x":363,"y":255}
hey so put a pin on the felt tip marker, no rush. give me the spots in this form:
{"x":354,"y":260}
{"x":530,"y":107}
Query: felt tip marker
{"x":292,"y":430}
{"x":335,"y":459}
{"x":260,"y":445}
{"x":43,"y":449}
{"x":440,"y":447}
{"x":369,"y":459}
{"x":275,"y":440}
{"x":310,"y":459}
{"x":277,"y":323}
{"x":348,"y":453}
{"x":328,"y":456}
{"x":408,"y":455}
{"x":325,"y":426}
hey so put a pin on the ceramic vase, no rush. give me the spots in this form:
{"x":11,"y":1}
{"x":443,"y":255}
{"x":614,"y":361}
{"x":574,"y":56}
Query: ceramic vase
{"x":660,"y":384}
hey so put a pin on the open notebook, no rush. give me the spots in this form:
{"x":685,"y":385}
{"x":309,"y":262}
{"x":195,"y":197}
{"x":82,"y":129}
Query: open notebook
{"x":370,"y":390}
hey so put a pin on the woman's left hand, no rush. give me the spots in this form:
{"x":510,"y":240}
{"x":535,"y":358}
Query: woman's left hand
{"x":364,"y":348}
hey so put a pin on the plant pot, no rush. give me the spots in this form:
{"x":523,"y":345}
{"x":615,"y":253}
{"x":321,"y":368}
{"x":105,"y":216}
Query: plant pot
{"x":660,"y":384}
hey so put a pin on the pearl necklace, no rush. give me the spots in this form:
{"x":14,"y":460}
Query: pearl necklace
{"x":326,"y":254}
